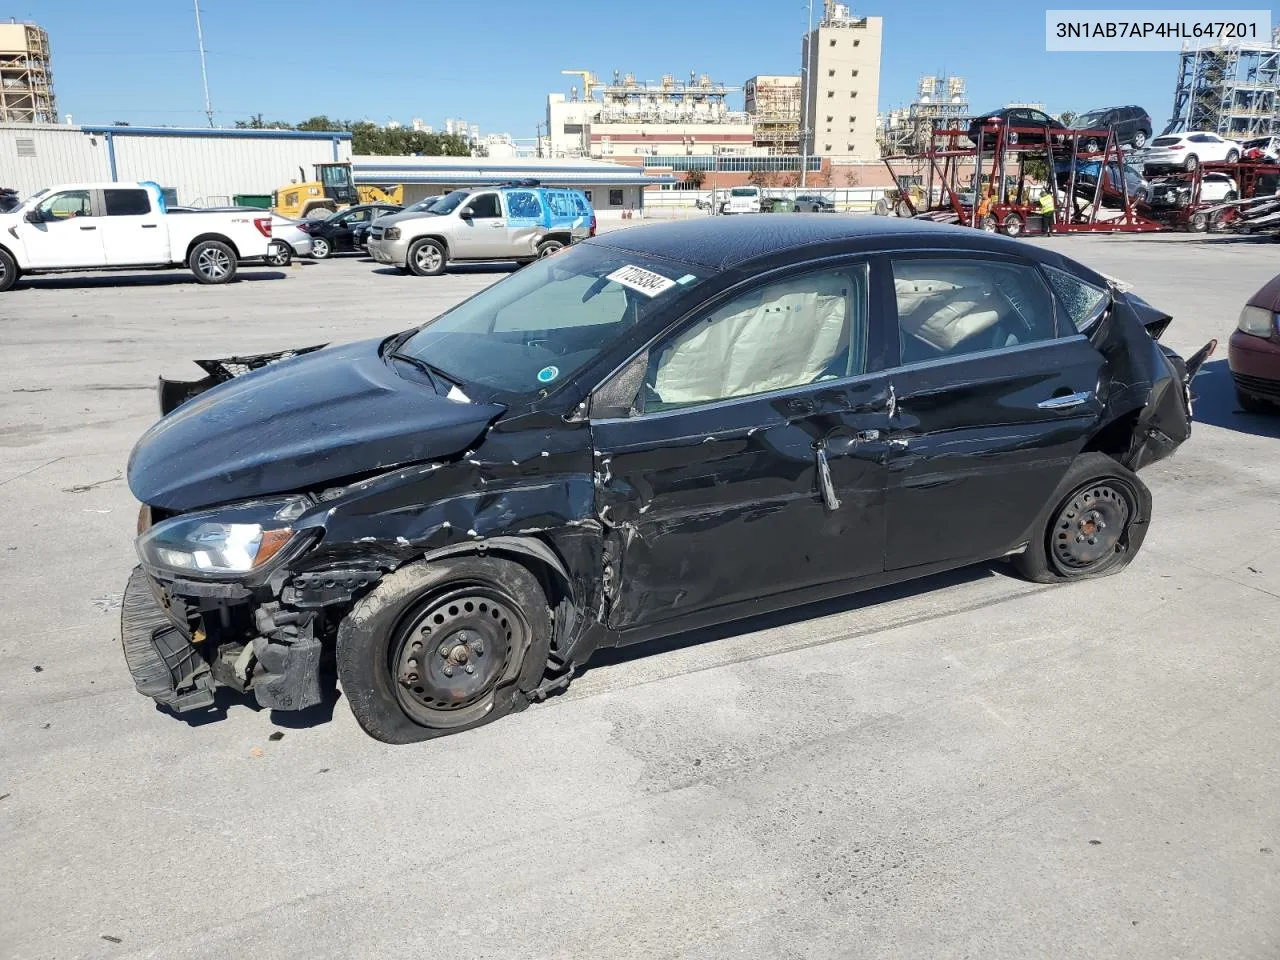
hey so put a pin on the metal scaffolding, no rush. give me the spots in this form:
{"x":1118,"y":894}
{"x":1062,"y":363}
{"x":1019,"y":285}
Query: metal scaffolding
{"x":26,"y":80}
{"x":937,"y":98}
{"x":773,"y":104}
{"x":1232,"y":90}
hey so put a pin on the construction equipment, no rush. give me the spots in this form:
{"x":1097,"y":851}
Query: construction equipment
{"x":332,"y":189}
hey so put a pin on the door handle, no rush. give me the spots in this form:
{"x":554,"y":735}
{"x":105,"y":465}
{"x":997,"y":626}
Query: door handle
{"x":149,"y":226}
{"x":825,"y":483}
{"x":88,"y":228}
{"x":497,"y":225}
{"x":1067,"y":402}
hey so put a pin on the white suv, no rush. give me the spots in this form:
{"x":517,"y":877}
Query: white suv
{"x":1187,"y":151}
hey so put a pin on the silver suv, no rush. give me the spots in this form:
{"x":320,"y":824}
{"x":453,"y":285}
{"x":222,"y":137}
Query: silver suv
{"x":517,"y":222}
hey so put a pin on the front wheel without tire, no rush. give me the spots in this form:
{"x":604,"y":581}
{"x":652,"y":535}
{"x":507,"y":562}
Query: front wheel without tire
{"x":280,"y":254}
{"x":440,"y":647}
{"x":1094,"y":530}
{"x":213,"y":261}
{"x":8,"y":271}
{"x":427,"y":258}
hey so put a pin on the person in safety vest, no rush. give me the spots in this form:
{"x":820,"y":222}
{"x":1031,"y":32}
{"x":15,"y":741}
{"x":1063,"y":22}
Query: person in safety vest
{"x":1046,"y":210}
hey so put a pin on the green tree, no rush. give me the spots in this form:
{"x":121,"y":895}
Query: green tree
{"x":1067,"y":117}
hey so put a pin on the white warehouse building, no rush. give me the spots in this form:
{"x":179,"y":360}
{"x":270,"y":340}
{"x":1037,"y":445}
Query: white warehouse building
{"x":204,"y":167}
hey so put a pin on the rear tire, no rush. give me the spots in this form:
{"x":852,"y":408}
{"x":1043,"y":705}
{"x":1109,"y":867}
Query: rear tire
{"x":212,"y":262}
{"x":1012,"y":225}
{"x":444,"y":646}
{"x":1191,"y":164}
{"x":427,"y":258}
{"x":1092,"y":526}
{"x":280,"y":254}
{"x":1199,"y":223}
{"x":1233,"y":156}
{"x":320,"y":248}
{"x":549,"y":248}
{"x":1140,"y":139}
{"x":8,"y":271}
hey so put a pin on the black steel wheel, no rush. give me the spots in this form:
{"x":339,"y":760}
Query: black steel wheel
{"x":1093,"y":529}
{"x":449,"y":654}
{"x":443,"y":646}
{"x":1088,"y":532}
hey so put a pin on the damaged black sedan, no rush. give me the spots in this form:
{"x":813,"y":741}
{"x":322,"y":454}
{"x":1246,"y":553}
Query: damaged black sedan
{"x":664,"y":427}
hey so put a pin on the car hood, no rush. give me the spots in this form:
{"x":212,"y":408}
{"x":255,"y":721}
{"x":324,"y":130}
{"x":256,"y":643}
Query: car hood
{"x":298,"y":424}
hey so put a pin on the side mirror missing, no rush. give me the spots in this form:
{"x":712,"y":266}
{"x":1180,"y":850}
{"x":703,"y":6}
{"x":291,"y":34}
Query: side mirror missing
{"x":33,"y":216}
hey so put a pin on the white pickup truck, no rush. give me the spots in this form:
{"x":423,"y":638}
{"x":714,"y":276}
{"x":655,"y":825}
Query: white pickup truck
{"x":113,"y":226}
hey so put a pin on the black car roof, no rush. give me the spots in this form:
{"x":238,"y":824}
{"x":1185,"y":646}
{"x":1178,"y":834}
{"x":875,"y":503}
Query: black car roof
{"x":724,"y":242}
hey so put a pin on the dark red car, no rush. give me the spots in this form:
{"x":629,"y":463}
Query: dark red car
{"x":1254,"y":352}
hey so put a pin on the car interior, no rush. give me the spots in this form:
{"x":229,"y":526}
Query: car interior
{"x":952,"y":307}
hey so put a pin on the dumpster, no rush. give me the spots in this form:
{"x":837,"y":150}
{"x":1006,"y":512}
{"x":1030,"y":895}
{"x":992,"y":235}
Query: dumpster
{"x":260,"y":200}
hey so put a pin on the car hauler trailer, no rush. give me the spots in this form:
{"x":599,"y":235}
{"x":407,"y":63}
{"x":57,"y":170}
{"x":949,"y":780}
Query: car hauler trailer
{"x":1009,"y":170}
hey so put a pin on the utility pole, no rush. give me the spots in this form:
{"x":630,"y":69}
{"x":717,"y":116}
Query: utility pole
{"x":538,"y":129}
{"x":805,"y":99}
{"x":204,"y":71}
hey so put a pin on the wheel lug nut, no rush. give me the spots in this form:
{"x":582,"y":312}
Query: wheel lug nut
{"x":470,"y":668}
{"x":1079,"y":538}
{"x":444,"y":650}
{"x":448,"y":671}
{"x":477,"y":648}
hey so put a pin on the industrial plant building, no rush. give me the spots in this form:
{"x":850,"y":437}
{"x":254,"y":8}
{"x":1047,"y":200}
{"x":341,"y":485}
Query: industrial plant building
{"x":1231,"y":89}
{"x":841,"y":66}
{"x":26,"y":76}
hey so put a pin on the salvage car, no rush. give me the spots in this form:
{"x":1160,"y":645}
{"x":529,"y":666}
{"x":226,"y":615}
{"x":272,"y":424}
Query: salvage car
{"x":1253,"y":353}
{"x":661,"y":428}
{"x":340,"y":233}
{"x":1032,"y":127}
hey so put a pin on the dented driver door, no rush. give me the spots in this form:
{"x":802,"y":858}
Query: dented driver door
{"x":713,"y":492}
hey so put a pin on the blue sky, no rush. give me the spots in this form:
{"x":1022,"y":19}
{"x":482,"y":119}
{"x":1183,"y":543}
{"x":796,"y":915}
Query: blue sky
{"x":396,"y":59}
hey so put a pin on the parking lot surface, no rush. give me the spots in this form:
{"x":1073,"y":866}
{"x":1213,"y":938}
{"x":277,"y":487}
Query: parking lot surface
{"x":967,"y":766}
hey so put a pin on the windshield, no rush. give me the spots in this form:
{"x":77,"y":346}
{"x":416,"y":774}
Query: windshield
{"x":423,"y":205}
{"x":1089,"y":120}
{"x":744,"y":192}
{"x":449,"y":202}
{"x":527,"y":334}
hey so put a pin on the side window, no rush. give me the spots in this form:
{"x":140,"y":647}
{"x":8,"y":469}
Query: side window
{"x":615,"y":198}
{"x":790,"y":333}
{"x":69,"y":203}
{"x":523,"y":204}
{"x":358,"y":216}
{"x":127,"y":203}
{"x":485,"y":206}
{"x":949,"y":308}
{"x":1082,"y":302}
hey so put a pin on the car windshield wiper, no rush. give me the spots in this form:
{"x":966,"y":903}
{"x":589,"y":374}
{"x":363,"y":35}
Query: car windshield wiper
{"x":432,"y":372}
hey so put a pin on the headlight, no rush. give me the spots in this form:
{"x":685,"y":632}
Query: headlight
{"x":1257,"y":321}
{"x":239,"y":538}
{"x":391,"y":233}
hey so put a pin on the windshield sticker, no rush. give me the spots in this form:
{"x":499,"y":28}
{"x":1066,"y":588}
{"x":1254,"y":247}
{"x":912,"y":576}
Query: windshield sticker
{"x":547,"y":374}
{"x":642,"y":281}
{"x":687,"y":278}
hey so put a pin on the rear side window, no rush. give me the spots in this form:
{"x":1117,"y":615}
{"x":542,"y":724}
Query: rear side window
{"x":523,"y":204}
{"x":561,"y":204}
{"x":1082,"y":301}
{"x":584,"y":207}
{"x":949,"y":308}
{"x":127,"y":203}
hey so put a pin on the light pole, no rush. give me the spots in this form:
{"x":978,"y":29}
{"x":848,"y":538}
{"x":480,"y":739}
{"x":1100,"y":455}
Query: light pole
{"x":805,"y":97}
{"x":204,"y":72}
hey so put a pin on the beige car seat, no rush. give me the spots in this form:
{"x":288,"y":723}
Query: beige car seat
{"x":944,"y":304}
